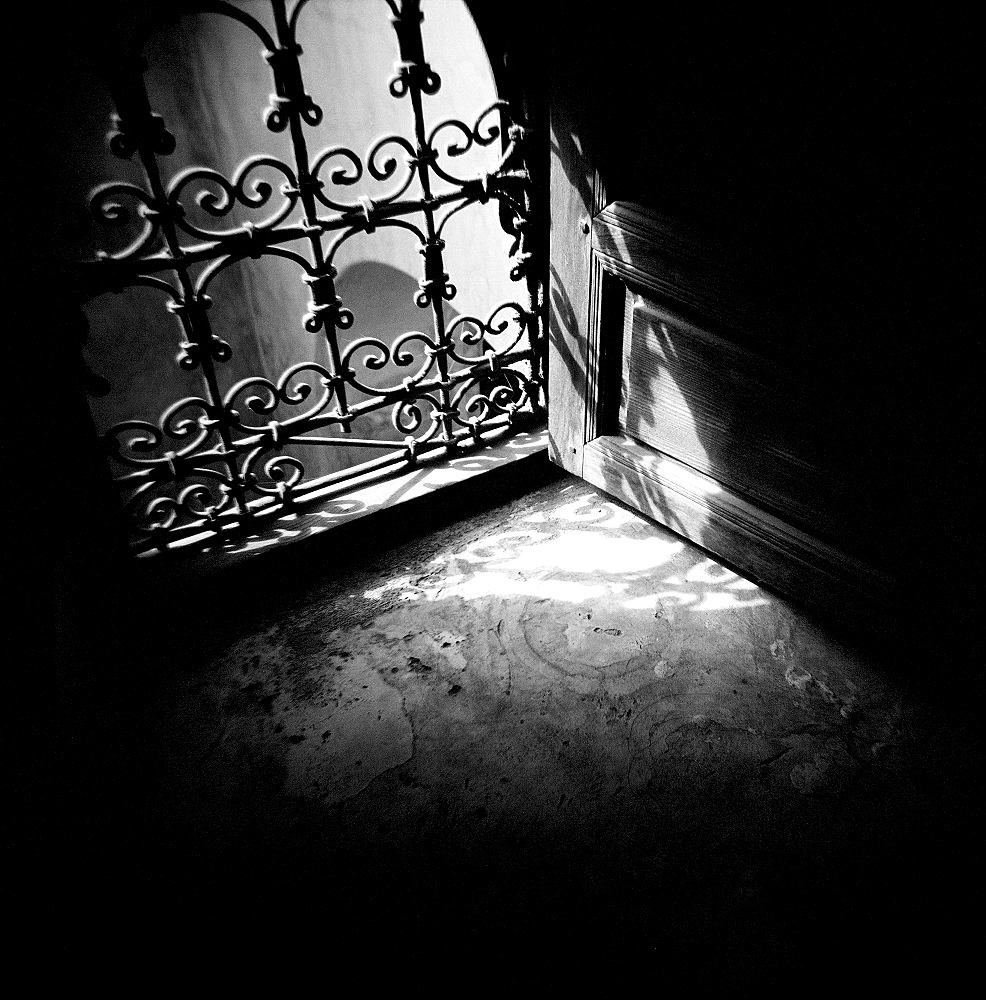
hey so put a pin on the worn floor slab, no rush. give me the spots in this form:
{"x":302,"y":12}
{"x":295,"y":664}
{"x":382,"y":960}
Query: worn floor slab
{"x":556,"y":727}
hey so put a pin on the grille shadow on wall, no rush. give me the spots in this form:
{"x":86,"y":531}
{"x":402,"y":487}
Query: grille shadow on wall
{"x":364,"y":402}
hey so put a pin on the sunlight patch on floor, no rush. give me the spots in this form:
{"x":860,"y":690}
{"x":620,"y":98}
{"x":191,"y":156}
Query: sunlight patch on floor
{"x":582,"y":551}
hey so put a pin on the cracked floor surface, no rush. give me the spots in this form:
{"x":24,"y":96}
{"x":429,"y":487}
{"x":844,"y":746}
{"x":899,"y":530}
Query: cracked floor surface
{"x":555,"y":733}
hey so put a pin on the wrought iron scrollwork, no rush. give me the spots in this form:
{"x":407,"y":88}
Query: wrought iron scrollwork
{"x":215,"y":460}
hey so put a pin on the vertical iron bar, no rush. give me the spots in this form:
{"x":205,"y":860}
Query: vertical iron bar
{"x":419,"y":78}
{"x":142,"y":130}
{"x":292,"y":97}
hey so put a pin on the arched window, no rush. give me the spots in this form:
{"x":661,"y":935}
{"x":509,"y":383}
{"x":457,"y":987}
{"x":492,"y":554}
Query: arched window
{"x":305,"y":256}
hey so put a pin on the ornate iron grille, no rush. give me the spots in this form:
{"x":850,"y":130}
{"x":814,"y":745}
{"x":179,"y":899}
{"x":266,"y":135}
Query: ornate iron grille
{"x":214,"y":463}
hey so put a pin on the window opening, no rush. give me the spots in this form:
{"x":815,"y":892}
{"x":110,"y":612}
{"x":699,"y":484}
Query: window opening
{"x":221,"y":249}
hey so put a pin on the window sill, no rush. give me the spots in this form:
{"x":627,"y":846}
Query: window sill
{"x":379,"y":514}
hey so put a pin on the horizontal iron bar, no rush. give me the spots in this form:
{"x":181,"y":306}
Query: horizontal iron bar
{"x":109,"y":273}
{"x":306,"y":424}
{"x":269,"y":508}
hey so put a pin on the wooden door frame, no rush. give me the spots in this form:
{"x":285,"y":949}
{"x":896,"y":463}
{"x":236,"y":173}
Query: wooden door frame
{"x":595,"y":252}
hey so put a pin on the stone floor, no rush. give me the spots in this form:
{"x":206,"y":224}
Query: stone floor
{"x":551,"y":744}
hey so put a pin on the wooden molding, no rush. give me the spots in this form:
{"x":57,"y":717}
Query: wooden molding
{"x":574,"y":291}
{"x":702,"y":510}
{"x":703,"y":278}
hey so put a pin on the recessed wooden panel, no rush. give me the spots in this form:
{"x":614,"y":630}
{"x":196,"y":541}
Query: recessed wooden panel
{"x":764,"y":431}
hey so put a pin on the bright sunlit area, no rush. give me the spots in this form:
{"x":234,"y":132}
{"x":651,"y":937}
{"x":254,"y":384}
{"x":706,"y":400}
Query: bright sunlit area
{"x":335,"y":233}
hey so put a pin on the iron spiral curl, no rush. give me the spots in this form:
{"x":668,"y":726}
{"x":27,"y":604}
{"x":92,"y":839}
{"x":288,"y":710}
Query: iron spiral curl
{"x":214,"y":462}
